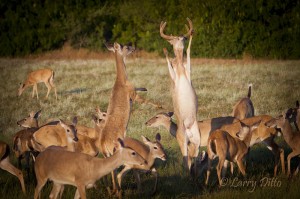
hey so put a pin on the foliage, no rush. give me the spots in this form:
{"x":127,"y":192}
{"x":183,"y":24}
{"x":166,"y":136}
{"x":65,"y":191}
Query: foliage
{"x":259,"y":28}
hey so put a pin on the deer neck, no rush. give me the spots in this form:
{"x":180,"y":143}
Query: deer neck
{"x":287,"y":131}
{"x":70,"y":145}
{"x":104,"y":166}
{"x":121,"y":69}
{"x":247,"y":139}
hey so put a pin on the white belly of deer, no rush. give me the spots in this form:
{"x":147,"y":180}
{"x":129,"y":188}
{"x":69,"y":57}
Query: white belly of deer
{"x":186,"y":101}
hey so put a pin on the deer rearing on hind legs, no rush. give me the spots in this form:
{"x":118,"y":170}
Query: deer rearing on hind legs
{"x":118,"y":111}
{"x":183,"y":95}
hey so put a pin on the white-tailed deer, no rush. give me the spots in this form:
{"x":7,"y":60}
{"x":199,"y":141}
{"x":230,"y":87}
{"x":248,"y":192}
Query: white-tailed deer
{"x":62,"y":167}
{"x":99,"y":120}
{"x":38,"y":76}
{"x":221,"y":144}
{"x":57,"y":135}
{"x":293,"y":115}
{"x":205,"y":126}
{"x":7,"y":166}
{"x":291,"y":138}
{"x":262,"y":134}
{"x":119,"y":107}
{"x":183,"y":95}
{"x":22,"y":139}
{"x":149,"y":151}
{"x":244,"y":108}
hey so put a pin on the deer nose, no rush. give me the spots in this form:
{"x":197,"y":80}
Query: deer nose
{"x":75,"y":139}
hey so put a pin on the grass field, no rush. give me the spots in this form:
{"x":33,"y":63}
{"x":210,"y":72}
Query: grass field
{"x":84,"y":84}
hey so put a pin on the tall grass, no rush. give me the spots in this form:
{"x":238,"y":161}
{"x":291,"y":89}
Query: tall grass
{"x":85,"y":84}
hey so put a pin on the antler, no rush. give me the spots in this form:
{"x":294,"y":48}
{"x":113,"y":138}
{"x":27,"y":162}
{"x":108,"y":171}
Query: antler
{"x":190,"y":30}
{"x":161,"y":30}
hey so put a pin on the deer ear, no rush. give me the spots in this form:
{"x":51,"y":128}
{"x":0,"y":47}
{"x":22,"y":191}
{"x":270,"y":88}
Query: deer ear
{"x":170,"y":114}
{"x":109,"y":46}
{"x":62,"y":123}
{"x":75,"y":120}
{"x":37,"y":114}
{"x":31,"y":114}
{"x":158,"y":137}
{"x":145,"y":140}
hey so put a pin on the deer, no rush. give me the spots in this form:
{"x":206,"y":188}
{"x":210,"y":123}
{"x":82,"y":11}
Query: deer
{"x":244,"y":107}
{"x":33,"y":78}
{"x":221,"y":144}
{"x":262,"y":134}
{"x":293,"y":115}
{"x":62,"y":167}
{"x":56,"y":135}
{"x":99,"y":120}
{"x":291,"y":138}
{"x":22,"y":139}
{"x":183,"y":95}
{"x":149,"y":151}
{"x":6,"y":165}
{"x":206,"y":127}
{"x":119,"y":107}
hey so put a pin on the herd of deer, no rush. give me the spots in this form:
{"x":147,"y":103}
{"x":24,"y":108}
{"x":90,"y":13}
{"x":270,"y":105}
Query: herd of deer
{"x":75,"y":147}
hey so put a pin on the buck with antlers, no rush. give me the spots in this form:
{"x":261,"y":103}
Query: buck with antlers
{"x":183,"y":95}
{"x":244,"y":108}
{"x":119,"y":107}
{"x":7,"y":166}
{"x":62,"y":167}
{"x":38,"y":76}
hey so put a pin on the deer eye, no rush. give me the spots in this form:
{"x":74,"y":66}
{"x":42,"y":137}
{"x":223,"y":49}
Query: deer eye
{"x":68,"y":130}
{"x":155,"y":148}
{"x":133,"y":153}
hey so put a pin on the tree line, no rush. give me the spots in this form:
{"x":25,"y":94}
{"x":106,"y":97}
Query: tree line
{"x":223,"y":29}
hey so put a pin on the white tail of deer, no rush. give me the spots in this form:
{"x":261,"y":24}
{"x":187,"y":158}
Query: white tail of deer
{"x":149,"y":151}
{"x":183,"y":94}
{"x":62,"y":167}
{"x":7,"y":166}
{"x":38,"y":76}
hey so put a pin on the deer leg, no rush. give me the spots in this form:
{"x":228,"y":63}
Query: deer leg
{"x":7,"y":166}
{"x":80,"y":192}
{"x":138,"y":180}
{"x":122,"y":174}
{"x":219,"y":169}
{"x":40,"y":183}
{"x":208,"y":169}
{"x":182,"y":142}
{"x":290,"y":156}
{"x":57,"y":190}
{"x":241,"y":165}
{"x":155,"y":174}
{"x":277,"y":152}
{"x":48,"y":89}
{"x":53,"y":86}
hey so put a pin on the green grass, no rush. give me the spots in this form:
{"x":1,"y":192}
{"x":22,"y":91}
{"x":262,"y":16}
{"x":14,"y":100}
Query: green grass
{"x":84,"y":84}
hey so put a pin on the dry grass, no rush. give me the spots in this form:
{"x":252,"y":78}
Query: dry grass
{"x":83,"y":84}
